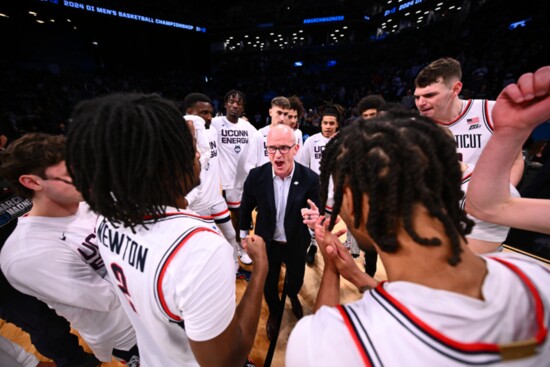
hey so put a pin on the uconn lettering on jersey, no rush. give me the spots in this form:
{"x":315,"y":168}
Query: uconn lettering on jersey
{"x":234,"y":137}
{"x":132,"y":252}
{"x":318,"y":151}
{"x":468,"y":141}
{"x":90,"y":252}
{"x":213,"y":149}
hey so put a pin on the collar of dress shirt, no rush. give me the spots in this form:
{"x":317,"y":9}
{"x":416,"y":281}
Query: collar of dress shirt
{"x":291,"y":172}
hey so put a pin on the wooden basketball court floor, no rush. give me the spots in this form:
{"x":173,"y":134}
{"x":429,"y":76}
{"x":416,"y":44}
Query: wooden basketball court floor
{"x":308,"y":293}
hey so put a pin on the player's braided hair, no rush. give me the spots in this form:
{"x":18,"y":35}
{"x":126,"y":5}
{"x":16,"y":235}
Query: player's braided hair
{"x":130,"y":155}
{"x":237,"y":94}
{"x":399,"y":161}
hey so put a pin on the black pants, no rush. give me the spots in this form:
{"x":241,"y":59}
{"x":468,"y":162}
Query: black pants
{"x":49,"y":332}
{"x":294,"y":257}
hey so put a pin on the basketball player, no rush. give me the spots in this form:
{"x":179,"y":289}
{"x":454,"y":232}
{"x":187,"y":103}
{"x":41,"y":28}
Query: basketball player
{"x":52,"y":253}
{"x":397,"y":187}
{"x":173,"y":268}
{"x":436,"y":95}
{"x":206,"y":199}
{"x":234,"y":137}
{"x":519,"y":109}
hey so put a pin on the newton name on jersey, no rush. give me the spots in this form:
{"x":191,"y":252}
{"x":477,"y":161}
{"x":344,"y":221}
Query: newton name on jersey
{"x":132,"y":252}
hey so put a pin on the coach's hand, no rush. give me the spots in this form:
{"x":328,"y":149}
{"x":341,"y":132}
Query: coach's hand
{"x":310,"y":215}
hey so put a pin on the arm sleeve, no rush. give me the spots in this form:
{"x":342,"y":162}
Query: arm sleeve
{"x":192,"y":196}
{"x":254,"y":152}
{"x":201,"y":137}
{"x":12,"y":355}
{"x":297,"y":350}
{"x":59,"y":275}
{"x":303,"y":154}
{"x":204,"y":285}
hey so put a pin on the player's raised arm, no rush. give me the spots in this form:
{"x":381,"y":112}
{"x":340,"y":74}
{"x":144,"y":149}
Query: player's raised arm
{"x":518,"y":110}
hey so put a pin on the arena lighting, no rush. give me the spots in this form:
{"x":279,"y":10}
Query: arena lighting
{"x":298,"y":64}
{"x":518,"y":24}
{"x":331,"y":63}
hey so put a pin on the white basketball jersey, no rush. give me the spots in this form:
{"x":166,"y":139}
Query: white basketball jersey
{"x":310,"y":153}
{"x":406,"y":324}
{"x":233,"y":146}
{"x":472,"y":129}
{"x":208,"y":192}
{"x":485,"y":231}
{"x":176,"y":281}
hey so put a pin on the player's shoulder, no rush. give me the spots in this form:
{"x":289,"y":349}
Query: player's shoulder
{"x":246,"y":124}
{"x":536,"y":270}
{"x":218,"y":121}
{"x":29,"y":247}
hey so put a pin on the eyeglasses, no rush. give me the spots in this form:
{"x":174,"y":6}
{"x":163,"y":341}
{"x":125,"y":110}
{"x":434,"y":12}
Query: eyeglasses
{"x":59,"y":179}
{"x":283,"y":149}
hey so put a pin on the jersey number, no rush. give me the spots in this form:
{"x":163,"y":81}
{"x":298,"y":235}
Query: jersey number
{"x":122,"y":285}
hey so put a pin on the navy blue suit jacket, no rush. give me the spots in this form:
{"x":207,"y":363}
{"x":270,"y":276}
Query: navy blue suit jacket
{"x":258,"y":193}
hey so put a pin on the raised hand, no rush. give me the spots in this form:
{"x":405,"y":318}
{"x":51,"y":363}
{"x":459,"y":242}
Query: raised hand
{"x":525,"y":104}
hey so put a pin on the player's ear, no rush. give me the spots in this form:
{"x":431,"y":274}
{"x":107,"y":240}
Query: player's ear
{"x":457,"y":88}
{"x":32,"y":182}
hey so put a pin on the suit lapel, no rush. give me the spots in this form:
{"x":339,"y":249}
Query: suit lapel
{"x":268,"y":177}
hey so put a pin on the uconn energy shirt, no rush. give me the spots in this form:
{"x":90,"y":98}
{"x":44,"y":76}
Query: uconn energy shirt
{"x":310,"y":154}
{"x":233,"y":145}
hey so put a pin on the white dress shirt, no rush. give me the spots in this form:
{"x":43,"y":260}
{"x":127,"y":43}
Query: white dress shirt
{"x":280,"y":189}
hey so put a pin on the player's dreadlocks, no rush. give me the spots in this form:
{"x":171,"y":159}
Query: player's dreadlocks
{"x":237,"y":94}
{"x":130,"y":155}
{"x":399,"y":161}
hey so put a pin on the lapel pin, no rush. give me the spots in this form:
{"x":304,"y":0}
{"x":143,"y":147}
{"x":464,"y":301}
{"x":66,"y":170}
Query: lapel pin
{"x":296,"y":182}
